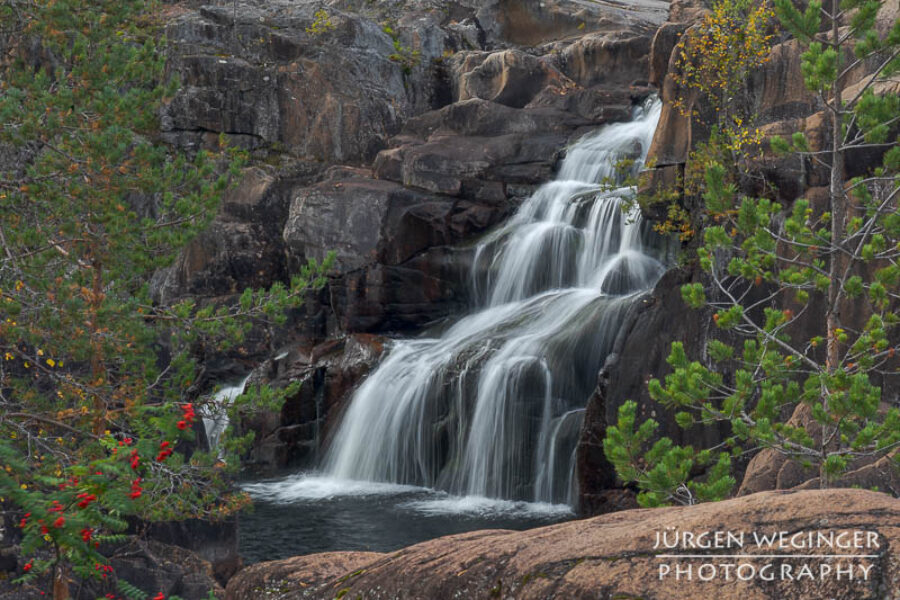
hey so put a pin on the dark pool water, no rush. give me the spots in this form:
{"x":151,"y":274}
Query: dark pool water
{"x":303,"y":514}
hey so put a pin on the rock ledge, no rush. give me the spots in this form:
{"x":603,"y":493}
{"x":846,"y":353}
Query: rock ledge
{"x":612,"y":556}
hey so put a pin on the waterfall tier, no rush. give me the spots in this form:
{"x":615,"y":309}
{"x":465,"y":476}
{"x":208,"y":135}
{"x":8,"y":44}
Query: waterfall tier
{"x":493,"y":407}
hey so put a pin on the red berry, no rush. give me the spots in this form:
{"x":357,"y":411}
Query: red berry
{"x":59,"y":522}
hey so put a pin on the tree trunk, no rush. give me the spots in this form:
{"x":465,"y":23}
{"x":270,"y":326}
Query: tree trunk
{"x":60,"y":584}
{"x":97,"y":347}
{"x":838,"y":225}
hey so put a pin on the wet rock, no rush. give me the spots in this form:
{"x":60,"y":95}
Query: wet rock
{"x":610,"y":556}
{"x":327,"y":373}
{"x":394,"y":268}
{"x":639,"y":354}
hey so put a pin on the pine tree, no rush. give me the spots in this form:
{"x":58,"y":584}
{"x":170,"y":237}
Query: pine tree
{"x":771,"y":268}
{"x":93,"y":376}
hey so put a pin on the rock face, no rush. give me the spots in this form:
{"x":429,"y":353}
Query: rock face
{"x":660,"y":316}
{"x":392,"y":133}
{"x":265,"y":74}
{"x":776,"y":95}
{"x":458,"y":121}
{"x":394,"y":267}
{"x":147,"y":564}
{"x":215,"y":543}
{"x":240,"y":247}
{"x":327,"y":373}
{"x":170,"y":569}
{"x":612,"y":556}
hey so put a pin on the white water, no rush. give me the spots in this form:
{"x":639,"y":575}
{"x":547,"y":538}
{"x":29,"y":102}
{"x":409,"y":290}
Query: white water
{"x":490,"y":412}
{"x":306,"y":487}
{"x":479,"y":506}
{"x":215,"y":416}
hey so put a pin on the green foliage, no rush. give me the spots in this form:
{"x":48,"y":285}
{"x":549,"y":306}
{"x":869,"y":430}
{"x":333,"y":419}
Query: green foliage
{"x":94,"y":376}
{"x":802,"y":26}
{"x":768,"y":268}
{"x":322,"y":24}
{"x":405,"y":56}
{"x":662,"y":470}
{"x":716,"y":57}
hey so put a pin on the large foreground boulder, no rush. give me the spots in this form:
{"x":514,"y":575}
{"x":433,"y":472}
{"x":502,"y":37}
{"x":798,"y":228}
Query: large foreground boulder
{"x":614,"y":556}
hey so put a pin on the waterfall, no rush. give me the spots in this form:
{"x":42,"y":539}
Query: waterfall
{"x":215,"y":416}
{"x":493,"y":407}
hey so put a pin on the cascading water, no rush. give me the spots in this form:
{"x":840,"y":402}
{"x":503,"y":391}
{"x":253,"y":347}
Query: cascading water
{"x":493,"y":407}
{"x":215,"y":417}
{"x":467,"y":430}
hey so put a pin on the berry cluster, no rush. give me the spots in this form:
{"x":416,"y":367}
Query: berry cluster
{"x":136,"y":489}
{"x":188,"y":417}
{"x":165,"y":451}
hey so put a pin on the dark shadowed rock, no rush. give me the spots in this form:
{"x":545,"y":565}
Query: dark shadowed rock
{"x":327,"y":373}
{"x":364,"y":221}
{"x":425,"y":289}
{"x":167,"y":569}
{"x":610,"y":556}
{"x":639,"y":354}
{"x":149,"y":565}
{"x":394,"y":268}
{"x":241,"y":248}
{"x":213,"y":541}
